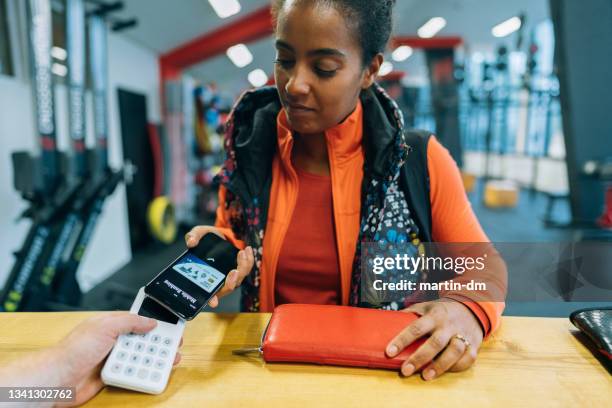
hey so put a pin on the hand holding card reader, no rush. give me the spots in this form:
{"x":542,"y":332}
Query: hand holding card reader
{"x":142,"y":362}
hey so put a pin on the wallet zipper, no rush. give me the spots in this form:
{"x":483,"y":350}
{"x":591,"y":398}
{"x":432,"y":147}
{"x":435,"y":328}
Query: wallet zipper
{"x":248,"y":350}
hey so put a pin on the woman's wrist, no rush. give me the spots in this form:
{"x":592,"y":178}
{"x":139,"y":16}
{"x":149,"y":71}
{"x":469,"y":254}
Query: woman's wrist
{"x":469,"y":311}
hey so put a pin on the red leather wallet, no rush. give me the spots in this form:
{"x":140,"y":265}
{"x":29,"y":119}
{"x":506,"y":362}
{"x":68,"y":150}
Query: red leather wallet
{"x":335,"y":335}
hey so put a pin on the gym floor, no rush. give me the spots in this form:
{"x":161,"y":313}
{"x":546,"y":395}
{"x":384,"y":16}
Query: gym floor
{"x":521,"y":224}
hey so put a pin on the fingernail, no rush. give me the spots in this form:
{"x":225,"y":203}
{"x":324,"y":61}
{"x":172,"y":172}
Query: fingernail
{"x":407,"y":370}
{"x":191,"y":241}
{"x":242,"y":255}
{"x":392,"y":350}
{"x":429,"y":374}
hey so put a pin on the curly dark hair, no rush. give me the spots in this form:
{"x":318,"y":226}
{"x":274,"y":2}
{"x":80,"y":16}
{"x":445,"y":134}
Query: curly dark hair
{"x":370,"y":20}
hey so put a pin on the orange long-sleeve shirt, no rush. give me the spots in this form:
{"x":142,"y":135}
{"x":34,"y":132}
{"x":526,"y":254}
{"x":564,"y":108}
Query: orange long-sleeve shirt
{"x":308,"y":269}
{"x":452,"y":217}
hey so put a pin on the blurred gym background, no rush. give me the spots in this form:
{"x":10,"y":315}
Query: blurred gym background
{"x":520,"y":92}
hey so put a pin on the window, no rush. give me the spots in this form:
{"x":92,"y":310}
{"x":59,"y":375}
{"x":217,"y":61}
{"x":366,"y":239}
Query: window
{"x":6,"y":63}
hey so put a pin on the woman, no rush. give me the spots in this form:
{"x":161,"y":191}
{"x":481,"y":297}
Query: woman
{"x":313,"y":162}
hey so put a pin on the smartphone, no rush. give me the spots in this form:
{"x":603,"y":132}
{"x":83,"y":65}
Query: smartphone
{"x":188,"y":283}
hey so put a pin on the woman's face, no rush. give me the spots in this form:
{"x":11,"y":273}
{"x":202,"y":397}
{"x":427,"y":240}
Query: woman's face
{"x":319,"y":72}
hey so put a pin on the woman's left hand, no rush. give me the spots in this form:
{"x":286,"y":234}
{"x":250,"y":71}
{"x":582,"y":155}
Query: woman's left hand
{"x":455,"y":335}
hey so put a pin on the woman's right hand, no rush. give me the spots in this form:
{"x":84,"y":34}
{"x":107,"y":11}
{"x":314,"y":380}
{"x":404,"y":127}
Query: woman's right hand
{"x":244,"y":262}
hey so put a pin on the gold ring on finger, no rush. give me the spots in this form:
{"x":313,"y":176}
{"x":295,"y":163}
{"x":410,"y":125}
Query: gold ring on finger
{"x":462,"y":338}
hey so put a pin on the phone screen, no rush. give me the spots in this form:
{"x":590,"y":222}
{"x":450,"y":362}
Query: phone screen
{"x":189,"y":282}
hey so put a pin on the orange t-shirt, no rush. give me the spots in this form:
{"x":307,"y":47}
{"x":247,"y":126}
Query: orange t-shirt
{"x":308,"y":270}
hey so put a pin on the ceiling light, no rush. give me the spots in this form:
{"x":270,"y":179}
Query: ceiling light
{"x":240,"y":55}
{"x":385,"y":68}
{"x":258,"y":78}
{"x":225,"y":8}
{"x":59,"y":69}
{"x":59,"y":53}
{"x":432,"y":27}
{"x":507,"y":27}
{"x":401,"y":53}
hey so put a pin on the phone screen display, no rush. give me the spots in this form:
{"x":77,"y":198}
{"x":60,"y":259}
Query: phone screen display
{"x":189,"y":282}
{"x":199,"y":272}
